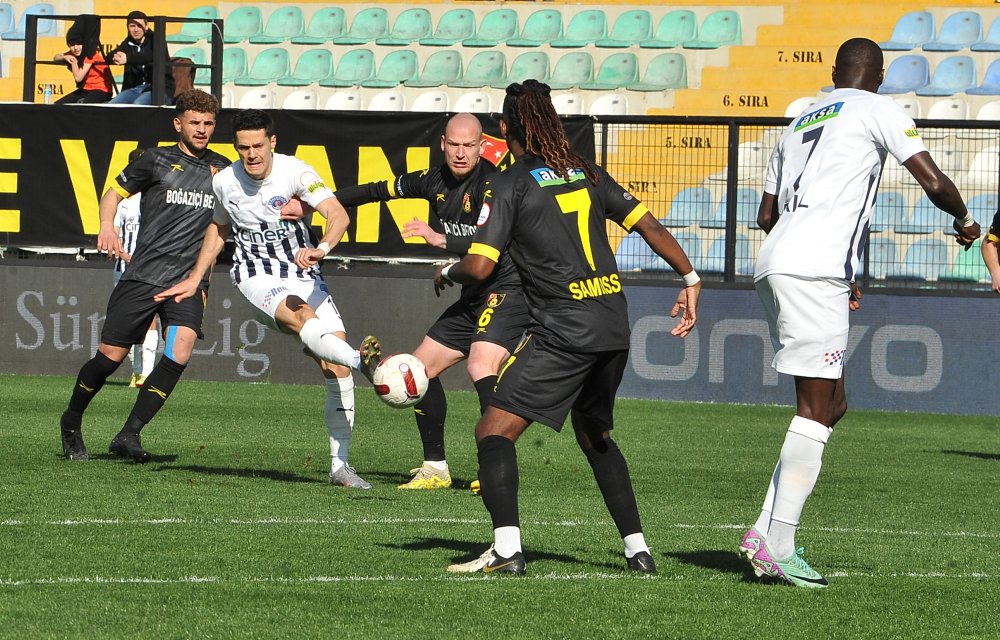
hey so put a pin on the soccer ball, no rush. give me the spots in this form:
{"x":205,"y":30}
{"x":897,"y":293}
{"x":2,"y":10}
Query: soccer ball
{"x":400,"y":380}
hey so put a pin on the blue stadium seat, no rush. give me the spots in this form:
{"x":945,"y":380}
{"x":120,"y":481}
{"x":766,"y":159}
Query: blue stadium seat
{"x":615,"y":72}
{"x":890,"y":208}
{"x":242,"y":24}
{"x":530,"y":64}
{"x":983,"y":207}
{"x":952,"y":75}
{"x":923,"y":219}
{"x":714,"y":260}
{"x":6,"y":17}
{"x":629,"y":29}
{"x":719,"y":29}
{"x":325,"y":25}
{"x":485,"y":69}
{"x":688,"y":207}
{"x":541,"y":27}
{"x":367,"y":26}
{"x":283,"y":24}
{"x":905,"y":74}
{"x":925,"y":259}
{"x":45,"y":27}
{"x":691,"y":244}
{"x":960,"y":30}
{"x":633,"y":254}
{"x":992,"y":40}
{"x":911,"y":31}
{"x":497,"y":27}
{"x":665,"y":71}
{"x":411,"y":25}
{"x":312,"y":66}
{"x":440,"y":68}
{"x":991,"y":81}
{"x":453,"y":27}
{"x":747,"y":203}
{"x":396,"y":68}
{"x":585,"y":27}
{"x":883,"y":257}
{"x":675,"y":28}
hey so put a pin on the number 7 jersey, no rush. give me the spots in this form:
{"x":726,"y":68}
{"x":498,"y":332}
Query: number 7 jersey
{"x":825,"y":171}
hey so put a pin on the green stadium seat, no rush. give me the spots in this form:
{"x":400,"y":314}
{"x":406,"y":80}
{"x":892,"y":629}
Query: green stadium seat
{"x":396,"y":68}
{"x":630,"y":28}
{"x":197,"y":55}
{"x":283,"y":24}
{"x":242,"y":24}
{"x":585,"y":27}
{"x":234,"y":65}
{"x":453,"y":27}
{"x":270,"y":65}
{"x":312,"y":66}
{"x":530,"y":64}
{"x":367,"y":26}
{"x":498,"y":26}
{"x":571,"y":70}
{"x":719,"y":29}
{"x":615,"y":72}
{"x":540,"y":27}
{"x":969,"y":266}
{"x":411,"y":25}
{"x":675,"y":28}
{"x":665,"y":71}
{"x":325,"y":25}
{"x":45,"y":27}
{"x":484,"y":69}
{"x":356,"y":66}
{"x":440,"y":68}
{"x":192,"y":32}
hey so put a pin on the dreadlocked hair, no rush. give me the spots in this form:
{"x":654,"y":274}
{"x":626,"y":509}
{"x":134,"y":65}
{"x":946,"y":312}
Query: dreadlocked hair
{"x":532,"y":120}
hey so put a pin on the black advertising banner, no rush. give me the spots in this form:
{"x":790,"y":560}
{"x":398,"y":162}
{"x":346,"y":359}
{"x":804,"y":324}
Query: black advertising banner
{"x":57,"y":161}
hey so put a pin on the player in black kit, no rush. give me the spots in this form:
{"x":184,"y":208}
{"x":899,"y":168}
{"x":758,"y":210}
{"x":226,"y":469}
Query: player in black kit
{"x":177,"y":205}
{"x":549,"y":212}
{"x":487,"y":321}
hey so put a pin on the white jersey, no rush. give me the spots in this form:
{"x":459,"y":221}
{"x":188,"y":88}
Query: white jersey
{"x":126,"y":221}
{"x":266,"y":244}
{"x":825,"y":171}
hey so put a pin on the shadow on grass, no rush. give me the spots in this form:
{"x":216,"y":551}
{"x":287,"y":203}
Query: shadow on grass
{"x":465,"y":551}
{"x":973,"y":454}
{"x":266,"y":474}
{"x":167,"y":457}
{"x":717,"y":560}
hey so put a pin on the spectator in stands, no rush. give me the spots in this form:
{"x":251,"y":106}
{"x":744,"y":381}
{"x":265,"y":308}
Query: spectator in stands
{"x":136,"y":53}
{"x":85,"y":61}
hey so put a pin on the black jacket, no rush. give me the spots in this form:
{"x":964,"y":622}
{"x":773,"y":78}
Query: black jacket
{"x":138,"y":60}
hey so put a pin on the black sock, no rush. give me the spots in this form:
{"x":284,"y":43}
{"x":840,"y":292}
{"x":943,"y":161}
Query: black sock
{"x":499,"y":480}
{"x":154,"y":393}
{"x":485,"y":387}
{"x":90,"y":380}
{"x":611,"y":473}
{"x":431,"y":412}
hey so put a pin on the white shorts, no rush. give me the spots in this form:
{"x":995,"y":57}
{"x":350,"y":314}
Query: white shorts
{"x":809,"y":322}
{"x":264,"y":293}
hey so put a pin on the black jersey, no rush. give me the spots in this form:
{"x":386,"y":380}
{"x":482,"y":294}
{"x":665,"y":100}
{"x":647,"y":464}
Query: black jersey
{"x":555,"y":232}
{"x":455,"y":203}
{"x":177,"y":206}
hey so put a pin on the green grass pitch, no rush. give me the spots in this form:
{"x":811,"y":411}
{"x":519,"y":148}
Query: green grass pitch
{"x":233,"y":532}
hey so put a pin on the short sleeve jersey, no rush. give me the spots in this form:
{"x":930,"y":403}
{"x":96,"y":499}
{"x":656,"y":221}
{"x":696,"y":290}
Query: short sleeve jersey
{"x":555,"y":232}
{"x":264,"y":242}
{"x":177,"y":205}
{"x":825,"y":171}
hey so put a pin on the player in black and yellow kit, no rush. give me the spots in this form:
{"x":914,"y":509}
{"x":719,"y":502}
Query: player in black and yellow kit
{"x":549,"y":210}
{"x":487,"y":321}
{"x":177,"y":205}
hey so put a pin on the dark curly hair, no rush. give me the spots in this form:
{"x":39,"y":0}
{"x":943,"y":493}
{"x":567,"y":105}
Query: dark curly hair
{"x":196,"y":100}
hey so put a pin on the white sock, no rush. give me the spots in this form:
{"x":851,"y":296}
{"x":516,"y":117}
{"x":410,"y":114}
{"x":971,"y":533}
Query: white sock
{"x":764,"y":519}
{"x":507,"y":541}
{"x":437,"y":465}
{"x":339,"y":418}
{"x":149,"y":344}
{"x":634,"y":543}
{"x":135,"y":361}
{"x":801,"y":460}
{"x":327,"y":346}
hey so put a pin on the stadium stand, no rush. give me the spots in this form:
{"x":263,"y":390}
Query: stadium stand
{"x":925,"y":218}
{"x":486,"y":68}
{"x":911,"y":105}
{"x":616,"y":71}
{"x":453,"y":27}
{"x":396,"y":68}
{"x":355,"y":66}
{"x":911,"y":31}
{"x":258,"y":98}
{"x":45,"y":27}
{"x":924,"y":260}
{"x":719,"y":29}
{"x":301,"y":99}
{"x":530,"y":64}
{"x":665,"y":71}
{"x":345,"y":100}
{"x":440,"y":68}
{"x":325,"y":25}
{"x":269,"y":66}
{"x":367,"y":26}
{"x":629,"y":29}
{"x":890,"y":208}
{"x":959,"y":30}
{"x":674,"y":29}
{"x":689,"y":206}
{"x":883,"y":257}
{"x":798,"y":106}
{"x":234,"y":65}
{"x":952,"y":75}
{"x":6,"y":17}
{"x":496,"y":28}
{"x":610,"y":104}
{"x":991,"y":42}
{"x":242,"y":23}
{"x":991,"y":82}
{"x":435,"y":101}
{"x":540,"y":27}
{"x":906,"y":74}
{"x":388,"y":100}
{"x":312,"y":66}
{"x":983,"y":168}
{"x":283,"y":24}
{"x":968,"y":266}
{"x":568,"y":103}
{"x":584,"y":28}
{"x":946,"y":109}
{"x":473,"y":102}
{"x":571,"y":70}
{"x":411,"y":25}
{"x":192,"y":32}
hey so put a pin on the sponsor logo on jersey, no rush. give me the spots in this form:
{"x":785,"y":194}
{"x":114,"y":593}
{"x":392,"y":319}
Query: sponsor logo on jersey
{"x":827,"y":112}
{"x":466,"y":203}
{"x":912,"y":133}
{"x":495,"y":299}
{"x":176,"y":167}
{"x":190,"y":198}
{"x":311,"y":181}
{"x":439,"y":197}
{"x":277,"y":202}
{"x":627,"y":196}
{"x":262,"y":236}
{"x":484,"y":214}
{"x":546,"y":177}
{"x":123,"y":177}
{"x":596,"y":286}
{"x":458,"y":228}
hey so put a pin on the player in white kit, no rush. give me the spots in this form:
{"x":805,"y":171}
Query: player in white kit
{"x":276,"y":267}
{"x":818,"y":198}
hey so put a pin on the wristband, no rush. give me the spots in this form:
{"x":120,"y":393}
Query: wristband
{"x":444,"y":272}
{"x":691,"y":278}
{"x":324,"y":247}
{"x":967,"y":221}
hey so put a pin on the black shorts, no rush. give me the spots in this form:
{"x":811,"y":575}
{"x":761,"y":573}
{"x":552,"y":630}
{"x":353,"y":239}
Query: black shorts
{"x":131,"y":309}
{"x":542,"y":383}
{"x":502,"y":319}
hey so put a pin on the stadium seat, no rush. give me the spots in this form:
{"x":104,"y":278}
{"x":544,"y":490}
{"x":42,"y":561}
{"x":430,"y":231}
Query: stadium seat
{"x":945,"y":109}
{"x":396,"y":68}
{"x":910,"y":105}
{"x":234,"y":65}
{"x":629,"y":29}
{"x":325,"y":25}
{"x":923,"y":219}
{"x":991,"y":42}
{"x":905,"y":74}
{"x":355,"y":66}
{"x":689,"y":206}
{"x":949,"y":158}
{"x":389,"y":100}
{"x":665,"y":71}
{"x":610,"y":104}
{"x":435,"y":100}
{"x":301,"y":99}
{"x":911,"y":31}
{"x":719,"y":29}
{"x":960,"y":30}
{"x":983,"y":207}
{"x":6,"y":17}
{"x":571,"y":70}
{"x":270,"y":65}
{"x":568,"y":103}
{"x":228,"y":99}
{"x":486,"y":68}
{"x":284,"y":23}
{"x":890,"y":209}
{"x":617,"y":71}
{"x":530,"y":64}
{"x":411,"y":25}
{"x":197,"y":55}
{"x":633,"y":254}
{"x":968,"y":266}
{"x":453,"y":27}
{"x":675,"y":28}
{"x":45,"y":27}
{"x":798,"y":106}
{"x":747,"y":203}
{"x":344,"y":100}
{"x":473,"y":102}
{"x":367,"y":26}
{"x":714,"y":260}
{"x":440,"y":68}
{"x":541,"y":27}
{"x":991,"y":82}
{"x":497,"y":27}
{"x":883,"y":257}
{"x":925,"y":259}
{"x":312,"y":66}
{"x":258,"y":98}
{"x":751,"y":158}
{"x":952,"y":75}
{"x":983,"y":168}
{"x":691,"y":244}
{"x":585,"y":27}
{"x":242,"y":23}
{"x":192,"y":32}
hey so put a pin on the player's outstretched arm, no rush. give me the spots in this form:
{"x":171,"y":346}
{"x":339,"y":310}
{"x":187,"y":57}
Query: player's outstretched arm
{"x":336,"y":226}
{"x":944,"y":194}
{"x":665,"y":245}
{"x":108,"y":240}
{"x":211,"y":246}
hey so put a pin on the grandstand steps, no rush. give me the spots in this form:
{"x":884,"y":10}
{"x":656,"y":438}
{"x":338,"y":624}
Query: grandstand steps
{"x":733,"y":102}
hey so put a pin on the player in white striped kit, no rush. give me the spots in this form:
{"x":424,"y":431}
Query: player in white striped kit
{"x":276,"y":267}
